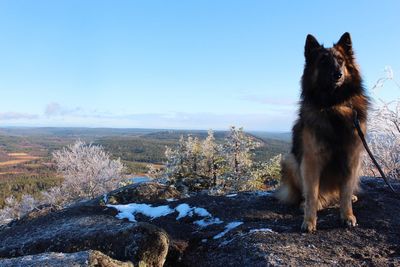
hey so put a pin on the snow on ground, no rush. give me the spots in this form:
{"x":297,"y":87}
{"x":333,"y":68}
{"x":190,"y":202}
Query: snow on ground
{"x":170,"y":199}
{"x":201,"y":212}
{"x":228,"y":228}
{"x":261,"y":230}
{"x":207,"y":221}
{"x":231,"y":195}
{"x":128,"y":211}
{"x":184,"y":210}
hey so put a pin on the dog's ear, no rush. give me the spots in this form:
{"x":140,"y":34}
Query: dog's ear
{"x":311,"y":44}
{"x":345,"y":43}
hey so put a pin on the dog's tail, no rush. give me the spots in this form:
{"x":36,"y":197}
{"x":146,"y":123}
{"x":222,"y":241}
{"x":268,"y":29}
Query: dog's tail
{"x":290,"y":188}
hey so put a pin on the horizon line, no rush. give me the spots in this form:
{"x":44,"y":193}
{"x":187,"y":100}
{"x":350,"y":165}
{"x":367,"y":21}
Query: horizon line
{"x":132,"y":128}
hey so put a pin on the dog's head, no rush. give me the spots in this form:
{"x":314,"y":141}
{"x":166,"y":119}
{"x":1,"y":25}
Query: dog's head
{"x":327,"y":71}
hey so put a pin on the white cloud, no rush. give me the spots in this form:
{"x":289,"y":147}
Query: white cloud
{"x":52,"y":109}
{"x":55,"y":109}
{"x":17,"y":116}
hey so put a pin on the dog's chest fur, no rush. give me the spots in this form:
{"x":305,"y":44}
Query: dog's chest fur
{"x":335,"y":137}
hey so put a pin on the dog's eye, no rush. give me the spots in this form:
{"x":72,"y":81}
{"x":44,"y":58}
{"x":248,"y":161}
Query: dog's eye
{"x":340,"y":61}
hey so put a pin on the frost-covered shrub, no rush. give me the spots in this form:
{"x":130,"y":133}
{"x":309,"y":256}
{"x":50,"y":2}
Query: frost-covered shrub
{"x":14,"y":209}
{"x":55,"y":197}
{"x":384,"y":140}
{"x":185,"y":164}
{"x":212,"y":158}
{"x":10,"y":210}
{"x":205,"y":164}
{"x":88,"y":171}
{"x":384,"y":132}
{"x":238,"y":151}
{"x":154,"y":172}
{"x":267,"y":174}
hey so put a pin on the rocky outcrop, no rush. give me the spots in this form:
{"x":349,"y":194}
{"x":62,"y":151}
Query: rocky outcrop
{"x":245,"y":229}
{"x":89,"y":258}
{"x":142,"y":192}
{"x":84,"y":228}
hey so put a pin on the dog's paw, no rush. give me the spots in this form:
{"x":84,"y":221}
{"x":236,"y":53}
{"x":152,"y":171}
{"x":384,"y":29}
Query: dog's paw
{"x":349,"y":221}
{"x":309,"y":226}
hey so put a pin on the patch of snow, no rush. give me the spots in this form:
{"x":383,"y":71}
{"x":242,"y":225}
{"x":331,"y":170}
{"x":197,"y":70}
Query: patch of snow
{"x":184,"y":210}
{"x":228,"y":228}
{"x":202,"y":212}
{"x":207,"y":221}
{"x":126,"y":215}
{"x":154,"y":212}
{"x":170,"y":199}
{"x":231,"y":195}
{"x":261,"y":230}
{"x":129,"y":210}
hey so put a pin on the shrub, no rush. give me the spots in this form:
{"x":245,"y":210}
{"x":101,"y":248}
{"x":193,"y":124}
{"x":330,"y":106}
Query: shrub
{"x":384,"y":132}
{"x":88,"y":171}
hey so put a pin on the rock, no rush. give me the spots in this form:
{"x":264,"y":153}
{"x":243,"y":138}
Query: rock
{"x":83,"y":228}
{"x":374,"y":242}
{"x":244,"y":229}
{"x":88,"y":258}
{"x":141,"y":192}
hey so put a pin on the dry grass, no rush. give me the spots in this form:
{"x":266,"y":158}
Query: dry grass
{"x":17,"y":154}
{"x":18,"y":159}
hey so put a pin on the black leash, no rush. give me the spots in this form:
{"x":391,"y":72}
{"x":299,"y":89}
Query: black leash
{"x":361,"y":135}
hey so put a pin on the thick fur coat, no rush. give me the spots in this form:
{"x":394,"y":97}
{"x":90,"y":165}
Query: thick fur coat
{"x":323,"y":166}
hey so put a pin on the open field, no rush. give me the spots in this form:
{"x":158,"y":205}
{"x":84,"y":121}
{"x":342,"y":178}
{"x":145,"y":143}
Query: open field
{"x":17,"y":158}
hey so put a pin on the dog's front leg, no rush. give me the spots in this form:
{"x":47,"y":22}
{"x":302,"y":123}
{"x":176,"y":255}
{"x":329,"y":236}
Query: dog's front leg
{"x":310,"y":178}
{"x":346,"y":209}
{"x":346,"y":195}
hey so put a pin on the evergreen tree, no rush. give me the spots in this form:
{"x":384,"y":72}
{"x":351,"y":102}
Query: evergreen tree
{"x":212,"y":158}
{"x":238,"y":151}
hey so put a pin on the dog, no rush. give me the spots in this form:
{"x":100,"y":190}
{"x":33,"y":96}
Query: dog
{"x":324,"y":162}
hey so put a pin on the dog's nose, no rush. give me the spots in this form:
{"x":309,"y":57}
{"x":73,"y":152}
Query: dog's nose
{"x":337,"y":75}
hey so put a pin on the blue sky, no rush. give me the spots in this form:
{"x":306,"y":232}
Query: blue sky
{"x":177,"y":64}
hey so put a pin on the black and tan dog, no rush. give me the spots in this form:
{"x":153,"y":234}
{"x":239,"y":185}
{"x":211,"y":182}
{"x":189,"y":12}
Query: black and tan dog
{"x":325,"y":160}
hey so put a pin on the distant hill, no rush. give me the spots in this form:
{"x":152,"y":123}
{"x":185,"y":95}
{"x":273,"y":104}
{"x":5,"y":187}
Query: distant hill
{"x":137,"y":145}
{"x":74,"y":131}
{"x":147,"y":133}
{"x":283,"y":136}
